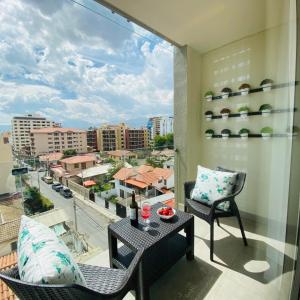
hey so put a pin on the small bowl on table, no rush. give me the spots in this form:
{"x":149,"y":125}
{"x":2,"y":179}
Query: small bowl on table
{"x":166,"y":212}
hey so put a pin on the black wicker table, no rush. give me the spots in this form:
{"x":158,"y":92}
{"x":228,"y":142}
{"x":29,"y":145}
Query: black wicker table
{"x":163,"y":244}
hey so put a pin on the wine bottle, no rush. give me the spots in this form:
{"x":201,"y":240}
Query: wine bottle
{"x":134,"y":211}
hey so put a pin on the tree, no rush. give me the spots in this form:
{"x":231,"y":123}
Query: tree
{"x":69,"y":152}
{"x":114,"y":169}
{"x":170,"y":140}
{"x":35,"y":202}
{"x":159,"y":141}
{"x":155,"y":162}
{"x":132,"y":161}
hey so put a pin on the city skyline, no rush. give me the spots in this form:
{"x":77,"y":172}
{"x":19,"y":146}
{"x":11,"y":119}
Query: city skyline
{"x":80,"y":73}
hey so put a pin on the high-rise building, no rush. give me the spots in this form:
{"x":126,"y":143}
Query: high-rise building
{"x":159,"y":126}
{"x":136,"y":138}
{"x":49,"y":140}
{"x":91,"y":137}
{"x":21,"y":127}
{"x":111,"y":137}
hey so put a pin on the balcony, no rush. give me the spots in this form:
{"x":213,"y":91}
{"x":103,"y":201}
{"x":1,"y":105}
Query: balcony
{"x":235,"y":274}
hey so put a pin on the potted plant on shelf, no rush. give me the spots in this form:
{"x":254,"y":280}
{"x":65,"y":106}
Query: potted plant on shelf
{"x":244,"y":89}
{"x":208,"y":96}
{"x":225,"y":113}
{"x":226,"y":92}
{"x":244,"y":110}
{"x":265,"y":110}
{"x":292,"y":131}
{"x":266,"y":132}
{"x":225,"y":134}
{"x":209,"y":133}
{"x":209,"y":115}
{"x":244,"y":132}
{"x":266,"y":84}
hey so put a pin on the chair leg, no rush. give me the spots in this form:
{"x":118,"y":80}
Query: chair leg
{"x":241,"y":227}
{"x":212,"y":241}
{"x":218,"y":222}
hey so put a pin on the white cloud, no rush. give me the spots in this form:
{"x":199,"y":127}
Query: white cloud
{"x":78,"y":66}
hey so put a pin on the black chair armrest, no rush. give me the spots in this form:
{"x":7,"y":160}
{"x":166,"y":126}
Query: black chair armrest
{"x":188,"y":186}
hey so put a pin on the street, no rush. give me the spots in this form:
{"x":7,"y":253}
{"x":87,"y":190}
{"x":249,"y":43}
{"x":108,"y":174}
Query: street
{"x":89,"y":222}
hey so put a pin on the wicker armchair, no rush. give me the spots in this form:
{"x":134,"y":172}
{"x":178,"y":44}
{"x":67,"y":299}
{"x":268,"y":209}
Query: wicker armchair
{"x":210,"y":213}
{"x":102,"y":283}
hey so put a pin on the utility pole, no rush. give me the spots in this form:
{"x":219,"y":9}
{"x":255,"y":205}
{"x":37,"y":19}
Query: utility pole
{"x":75,"y":216}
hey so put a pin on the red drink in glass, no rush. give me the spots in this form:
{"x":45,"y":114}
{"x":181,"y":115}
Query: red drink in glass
{"x":146,"y":213}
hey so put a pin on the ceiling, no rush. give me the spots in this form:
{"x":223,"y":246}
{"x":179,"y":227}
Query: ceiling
{"x":201,"y":24}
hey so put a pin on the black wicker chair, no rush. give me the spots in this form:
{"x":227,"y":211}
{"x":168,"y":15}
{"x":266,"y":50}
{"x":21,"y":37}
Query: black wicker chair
{"x":102,"y":283}
{"x":210,"y":213}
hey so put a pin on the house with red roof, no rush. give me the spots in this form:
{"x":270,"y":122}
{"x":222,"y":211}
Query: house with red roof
{"x":144,"y":180}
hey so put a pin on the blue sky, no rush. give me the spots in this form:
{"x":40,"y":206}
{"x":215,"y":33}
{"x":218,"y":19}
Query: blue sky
{"x":62,"y":61}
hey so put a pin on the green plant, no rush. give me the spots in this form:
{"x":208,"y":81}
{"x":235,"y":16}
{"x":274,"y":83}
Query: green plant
{"x":244,"y":86}
{"x":226,"y":131}
{"x":209,"y":131}
{"x":225,"y":111}
{"x":209,"y":113}
{"x":209,"y":93}
{"x":244,"y":108}
{"x":265,"y":107}
{"x":226,"y":90}
{"x":35,"y":202}
{"x":69,"y":152}
{"x":266,"y":81}
{"x":244,"y":130}
{"x":267,"y":130}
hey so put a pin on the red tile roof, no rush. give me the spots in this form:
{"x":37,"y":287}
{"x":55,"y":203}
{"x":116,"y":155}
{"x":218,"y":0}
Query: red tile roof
{"x":51,"y":157}
{"x":78,"y":159}
{"x":124,"y":173}
{"x":165,"y":173}
{"x":136,"y":183}
{"x":56,"y":129}
{"x":144,"y":169}
{"x":7,"y":262}
{"x":120,"y":153}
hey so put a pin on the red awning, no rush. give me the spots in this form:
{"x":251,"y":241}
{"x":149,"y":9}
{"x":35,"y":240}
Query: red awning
{"x":89,"y":183}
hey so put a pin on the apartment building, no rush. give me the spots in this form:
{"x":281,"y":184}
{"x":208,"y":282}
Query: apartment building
{"x":91,"y":137}
{"x":159,"y":126}
{"x":111,"y":137}
{"x":136,"y":138}
{"x":7,"y":182}
{"x":21,"y":127}
{"x":49,"y":140}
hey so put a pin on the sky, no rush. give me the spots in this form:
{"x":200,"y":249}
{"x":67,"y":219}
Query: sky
{"x":78,"y":67}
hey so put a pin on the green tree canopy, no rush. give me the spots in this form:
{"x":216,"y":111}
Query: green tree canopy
{"x":161,"y":141}
{"x":69,"y":152}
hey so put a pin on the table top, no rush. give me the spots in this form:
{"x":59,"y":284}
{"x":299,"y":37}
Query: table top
{"x":158,"y":229}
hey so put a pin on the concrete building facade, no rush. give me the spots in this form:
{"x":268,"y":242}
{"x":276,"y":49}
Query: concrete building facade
{"x":21,"y":127}
{"x":136,"y":138}
{"x":160,"y":125}
{"x":49,"y":140}
{"x":7,"y":183}
{"x":91,"y":136}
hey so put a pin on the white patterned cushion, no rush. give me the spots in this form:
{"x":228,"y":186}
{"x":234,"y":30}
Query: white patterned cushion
{"x":43,"y":258}
{"x":213,"y":185}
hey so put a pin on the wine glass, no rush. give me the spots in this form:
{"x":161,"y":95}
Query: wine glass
{"x":146,"y":213}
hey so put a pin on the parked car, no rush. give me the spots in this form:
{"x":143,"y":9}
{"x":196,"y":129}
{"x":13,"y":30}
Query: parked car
{"x":48,"y":179}
{"x":66,"y":192}
{"x":57,"y":186}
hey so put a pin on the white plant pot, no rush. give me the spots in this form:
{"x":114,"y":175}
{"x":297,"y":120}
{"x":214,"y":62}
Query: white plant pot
{"x":244,"y":114}
{"x":244,"y":136}
{"x":225,"y":136}
{"x":208,"y":117}
{"x":267,"y":87}
{"x":208,"y":98}
{"x":208,"y":136}
{"x":225,"y":116}
{"x":266,"y":112}
{"x":266,"y":136}
{"x":244,"y":92}
{"x":225,"y":95}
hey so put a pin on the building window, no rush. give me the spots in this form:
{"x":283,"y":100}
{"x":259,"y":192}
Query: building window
{"x":76,"y":166}
{"x":165,"y":182}
{"x":83,"y":166}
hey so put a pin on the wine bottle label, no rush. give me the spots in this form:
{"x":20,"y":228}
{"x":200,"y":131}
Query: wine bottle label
{"x":132,"y":214}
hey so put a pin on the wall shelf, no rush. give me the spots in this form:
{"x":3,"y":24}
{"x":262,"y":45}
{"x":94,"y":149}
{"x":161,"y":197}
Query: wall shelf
{"x":251,"y":135}
{"x":256,"y":113}
{"x":256,"y":90}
